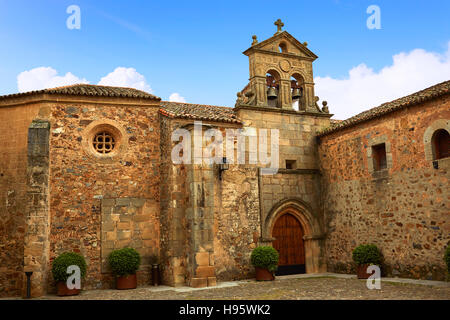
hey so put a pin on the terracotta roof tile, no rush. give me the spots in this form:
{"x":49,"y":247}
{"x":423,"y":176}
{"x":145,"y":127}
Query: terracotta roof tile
{"x":89,"y":90}
{"x":198,"y":112}
{"x":335,"y":121}
{"x":437,"y":90}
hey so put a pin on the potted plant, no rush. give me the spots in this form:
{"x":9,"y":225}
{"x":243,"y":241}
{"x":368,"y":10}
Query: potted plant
{"x":365,"y":255}
{"x":60,"y":275}
{"x":154,"y":261}
{"x":447,"y":261}
{"x":265,"y":261}
{"x":124,"y":263}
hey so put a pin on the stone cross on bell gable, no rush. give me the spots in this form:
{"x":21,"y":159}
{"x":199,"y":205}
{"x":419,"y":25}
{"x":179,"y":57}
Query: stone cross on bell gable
{"x":279,"y":25}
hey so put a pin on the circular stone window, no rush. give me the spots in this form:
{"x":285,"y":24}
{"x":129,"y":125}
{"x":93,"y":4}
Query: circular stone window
{"x":104,"y":142}
{"x":104,"y":139}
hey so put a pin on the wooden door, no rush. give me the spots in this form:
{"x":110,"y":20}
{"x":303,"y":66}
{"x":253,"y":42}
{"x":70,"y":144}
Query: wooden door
{"x":288,"y":234}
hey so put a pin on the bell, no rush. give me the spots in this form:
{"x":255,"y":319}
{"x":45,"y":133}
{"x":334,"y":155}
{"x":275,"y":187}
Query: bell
{"x":271,"y":93}
{"x":296,"y":93}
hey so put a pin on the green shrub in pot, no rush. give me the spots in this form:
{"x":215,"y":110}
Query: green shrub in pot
{"x":367,"y":254}
{"x":63,"y":261}
{"x":124,"y":262}
{"x":60,"y":275}
{"x":265,"y":257}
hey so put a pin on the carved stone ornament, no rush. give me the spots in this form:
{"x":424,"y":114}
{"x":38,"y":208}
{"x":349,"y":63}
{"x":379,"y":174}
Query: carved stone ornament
{"x":285,"y":65}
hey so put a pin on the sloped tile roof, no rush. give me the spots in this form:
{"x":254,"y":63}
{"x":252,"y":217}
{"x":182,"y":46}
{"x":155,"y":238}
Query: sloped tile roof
{"x":198,"y":112}
{"x":89,"y":90}
{"x":335,"y":121}
{"x":432,"y":92}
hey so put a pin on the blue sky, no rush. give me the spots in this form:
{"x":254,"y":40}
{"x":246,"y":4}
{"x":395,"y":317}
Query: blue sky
{"x":194,"y":48}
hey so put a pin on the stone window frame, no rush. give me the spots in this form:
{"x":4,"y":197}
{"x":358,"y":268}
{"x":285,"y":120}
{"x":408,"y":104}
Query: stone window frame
{"x":110,"y":126}
{"x":379,"y":156}
{"x":376,"y":141}
{"x":428,"y":137}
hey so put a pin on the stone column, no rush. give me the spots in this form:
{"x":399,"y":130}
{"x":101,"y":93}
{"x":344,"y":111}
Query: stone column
{"x":200,"y":220}
{"x":313,"y":260}
{"x":285,"y":94}
{"x":309,"y":96}
{"x":173,"y":198}
{"x":37,"y":245}
{"x":260,"y":88}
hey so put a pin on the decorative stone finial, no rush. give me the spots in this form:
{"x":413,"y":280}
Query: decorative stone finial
{"x":255,"y":41}
{"x":279,"y":25}
{"x":316,"y":99}
{"x":305,"y":44}
{"x":239,"y":99}
{"x":325,"y":107}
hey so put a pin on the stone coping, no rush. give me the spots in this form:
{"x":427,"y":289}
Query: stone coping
{"x":280,"y":110}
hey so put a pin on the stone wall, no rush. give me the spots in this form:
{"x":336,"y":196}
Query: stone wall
{"x":130,"y":222}
{"x":299,"y":184}
{"x":297,"y":132}
{"x":404,"y":209}
{"x":84,"y":185}
{"x":14,"y":123}
{"x":208,"y":225}
{"x":237,"y":226}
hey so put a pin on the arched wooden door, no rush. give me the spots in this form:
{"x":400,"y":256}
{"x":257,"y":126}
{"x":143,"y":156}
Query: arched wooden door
{"x":288,"y":234}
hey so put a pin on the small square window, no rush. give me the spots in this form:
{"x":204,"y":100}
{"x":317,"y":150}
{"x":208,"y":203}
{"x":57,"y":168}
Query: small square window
{"x":379,"y":157}
{"x":290,"y":164}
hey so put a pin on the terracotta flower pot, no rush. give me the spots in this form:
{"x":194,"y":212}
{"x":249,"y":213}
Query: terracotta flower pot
{"x":126,"y":282}
{"x":361,"y":271}
{"x":264,"y":274}
{"x":62,"y":290}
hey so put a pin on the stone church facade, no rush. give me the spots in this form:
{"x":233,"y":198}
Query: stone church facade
{"x":89,"y":169}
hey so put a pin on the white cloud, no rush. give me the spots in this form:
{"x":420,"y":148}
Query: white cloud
{"x":45,"y":77}
{"x":364,"y":88}
{"x":126,"y":77}
{"x":175,"y":97}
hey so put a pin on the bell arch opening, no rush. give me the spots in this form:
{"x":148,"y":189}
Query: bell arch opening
{"x":297,"y":92}
{"x":273,"y":88}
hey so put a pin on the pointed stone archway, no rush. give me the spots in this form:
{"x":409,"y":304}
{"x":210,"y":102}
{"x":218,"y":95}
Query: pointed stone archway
{"x":312,"y":235}
{"x":288,"y":234}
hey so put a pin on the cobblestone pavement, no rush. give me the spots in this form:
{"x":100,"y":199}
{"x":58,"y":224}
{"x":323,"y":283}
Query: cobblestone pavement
{"x":289,"y":289}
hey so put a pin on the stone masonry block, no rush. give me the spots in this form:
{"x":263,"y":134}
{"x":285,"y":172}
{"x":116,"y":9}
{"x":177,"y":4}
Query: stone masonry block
{"x":122,"y":202}
{"x":108,"y":202}
{"x":212,"y":282}
{"x":124,"y":235}
{"x":137,"y":202}
{"x":122,"y":226}
{"x":199,"y":282}
{"x":203,"y":271}
{"x":202,"y":258}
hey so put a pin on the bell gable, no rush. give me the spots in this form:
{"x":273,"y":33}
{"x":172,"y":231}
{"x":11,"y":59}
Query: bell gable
{"x":282,"y":43}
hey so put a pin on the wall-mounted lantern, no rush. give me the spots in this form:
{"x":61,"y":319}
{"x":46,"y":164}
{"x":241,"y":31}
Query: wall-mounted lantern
{"x":223,"y":166}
